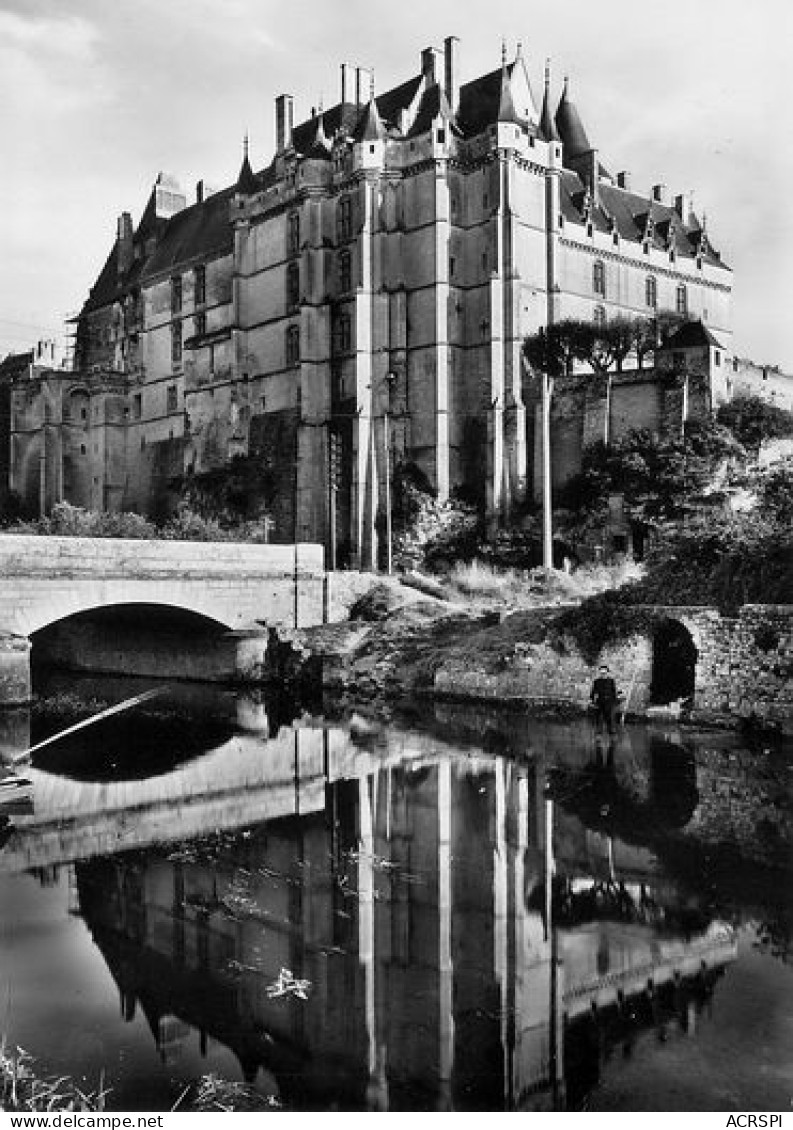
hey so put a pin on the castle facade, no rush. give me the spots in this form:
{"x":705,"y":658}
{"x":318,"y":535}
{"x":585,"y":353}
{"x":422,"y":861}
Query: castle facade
{"x":357,"y":304}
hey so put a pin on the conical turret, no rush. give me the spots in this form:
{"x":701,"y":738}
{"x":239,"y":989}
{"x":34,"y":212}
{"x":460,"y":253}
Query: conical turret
{"x":548,"y":130}
{"x":506,"y":103}
{"x":246,"y":181}
{"x":571,"y":130}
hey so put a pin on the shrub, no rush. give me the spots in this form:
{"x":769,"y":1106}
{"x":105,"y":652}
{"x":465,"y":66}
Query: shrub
{"x":753,"y":420}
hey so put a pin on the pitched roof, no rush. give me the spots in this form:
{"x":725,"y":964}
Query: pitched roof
{"x":14,"y":364}
{"x":370,"y":125}
{"x":196,"y":232}
{"x":434,"y":104}
{"x":629,"y":211}
{"x":692,"y":335}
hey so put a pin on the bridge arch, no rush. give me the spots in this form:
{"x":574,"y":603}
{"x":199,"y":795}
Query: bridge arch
{"x":138,"y":638}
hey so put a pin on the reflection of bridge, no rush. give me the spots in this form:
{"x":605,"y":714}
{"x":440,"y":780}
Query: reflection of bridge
{"x":237,"y":586}
{"x":394,"y":874}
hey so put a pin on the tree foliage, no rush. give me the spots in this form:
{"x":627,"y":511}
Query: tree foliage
{"x":555,"y":349}
{"x":661,"y":475}
{"x":753,"y":420}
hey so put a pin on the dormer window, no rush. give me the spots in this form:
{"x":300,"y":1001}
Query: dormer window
{"x":441,"y":135}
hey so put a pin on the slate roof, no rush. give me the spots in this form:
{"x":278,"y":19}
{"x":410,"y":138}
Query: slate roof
{"x":203,"y":229}
{"x":370,"y":125}
{"x":571,"y":128}
{"x":692,"y":335}
{"x":196,"y":232}
{"x":629,"y":212}
{"x":14,"y":364}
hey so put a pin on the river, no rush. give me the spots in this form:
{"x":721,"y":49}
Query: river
{"x":349,"y":911}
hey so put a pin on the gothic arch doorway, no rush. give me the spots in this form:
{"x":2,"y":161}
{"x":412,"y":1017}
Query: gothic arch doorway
{"x":674,"y":663}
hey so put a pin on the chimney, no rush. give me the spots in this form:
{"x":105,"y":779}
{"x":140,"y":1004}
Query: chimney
{"x":199,"y":192}
{"x":432,"y":65}
{"x":168,"y":197}
{"x":125,"y":250}
{"x":363,"y":83}
{"x":347,"y":82}
{"x":684,"y":206}
{"x":451,"y":54}
{"x":624,"y":179}
{"x":284,"y":121}
{"x":659,"y":193}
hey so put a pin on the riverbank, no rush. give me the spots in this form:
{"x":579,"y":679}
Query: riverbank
{"x":410,"y":640}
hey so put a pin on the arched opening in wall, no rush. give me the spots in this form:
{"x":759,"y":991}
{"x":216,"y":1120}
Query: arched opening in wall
{"x":85,"y":663}
{"x":143,"y":640}
{"x":674,"y":663}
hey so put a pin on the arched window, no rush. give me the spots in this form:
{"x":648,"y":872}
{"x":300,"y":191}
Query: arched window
{"x":292,"y":286}
{"x":599,"y":278}
{"x":681,"y":300}
{"x":651,"y":292}
{"x":345,"y":272}
{"x":293,"y":345}
{"x":293,"y":234}
{"x":599,"y":317}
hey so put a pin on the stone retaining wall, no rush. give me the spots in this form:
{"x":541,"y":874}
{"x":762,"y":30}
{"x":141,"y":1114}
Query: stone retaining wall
{"x":744,"y":668}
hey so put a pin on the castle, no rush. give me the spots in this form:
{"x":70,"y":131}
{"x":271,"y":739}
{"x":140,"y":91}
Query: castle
{"x":360,"y":303}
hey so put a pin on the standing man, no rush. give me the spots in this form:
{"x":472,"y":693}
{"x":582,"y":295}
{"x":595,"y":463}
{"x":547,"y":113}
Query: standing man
{"x":604,"y":697}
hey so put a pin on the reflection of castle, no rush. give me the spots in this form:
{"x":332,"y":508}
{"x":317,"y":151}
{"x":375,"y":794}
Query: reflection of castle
{"x":413,"y":905}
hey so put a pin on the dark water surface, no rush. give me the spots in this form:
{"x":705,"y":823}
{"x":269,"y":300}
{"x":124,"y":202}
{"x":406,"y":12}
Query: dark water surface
{"x":353,"y":914}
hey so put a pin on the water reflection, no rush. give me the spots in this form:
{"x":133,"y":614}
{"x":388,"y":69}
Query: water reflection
{"x":370,"y":923}
{"x":407,"y":903}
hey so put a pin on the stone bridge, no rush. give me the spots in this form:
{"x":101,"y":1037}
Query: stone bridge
{"x":236,"y":587}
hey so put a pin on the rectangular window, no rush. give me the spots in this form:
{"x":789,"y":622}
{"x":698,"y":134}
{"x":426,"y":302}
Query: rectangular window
{"x":200,"y":324}
{"x":172,"y":401}
{"x":345,"y":218}
{"x":200,"y":286}
{"x":717,"y":357}
{"x":345,"y":272}
{"x":137,"y":406}
{"x":681,"y":300}
{"x":293,"y":234}
{"x":452,"y":265}
{"x":176,"y":343}
{"x":176,"y":294}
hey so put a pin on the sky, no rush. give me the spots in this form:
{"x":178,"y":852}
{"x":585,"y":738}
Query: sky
{"x":98,"y":96}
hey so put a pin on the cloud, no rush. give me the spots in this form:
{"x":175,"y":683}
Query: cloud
{"x":49,"y":63}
